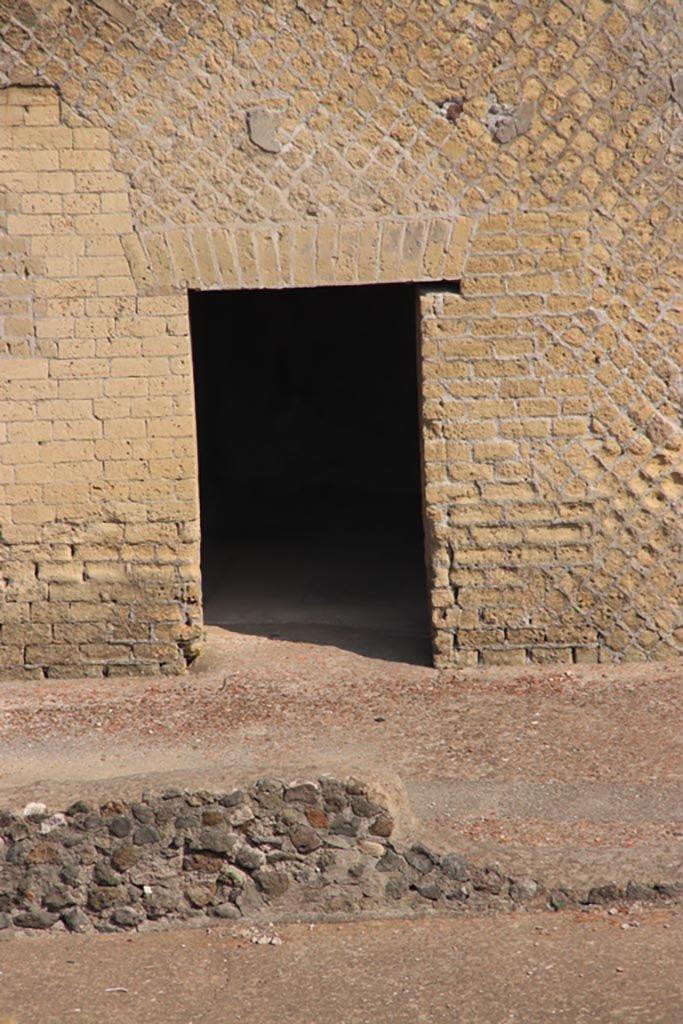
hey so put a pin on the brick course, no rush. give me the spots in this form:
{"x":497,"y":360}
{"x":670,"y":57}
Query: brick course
{"x":524,"y":150}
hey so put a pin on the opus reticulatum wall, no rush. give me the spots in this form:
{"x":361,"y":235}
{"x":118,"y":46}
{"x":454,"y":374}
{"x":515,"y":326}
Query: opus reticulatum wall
{"x":524,"y":150}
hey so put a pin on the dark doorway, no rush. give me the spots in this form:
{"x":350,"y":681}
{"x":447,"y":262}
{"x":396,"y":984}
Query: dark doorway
{"x":309,"y":461}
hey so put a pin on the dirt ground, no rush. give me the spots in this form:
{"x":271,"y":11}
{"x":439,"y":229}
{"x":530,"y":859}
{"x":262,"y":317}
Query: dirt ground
{"x":580,"y":968}
{"x":574,"y":774}
{"x":602,"y":722}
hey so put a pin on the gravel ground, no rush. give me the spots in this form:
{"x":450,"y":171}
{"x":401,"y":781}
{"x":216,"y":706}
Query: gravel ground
{"x":581,"y":766}
{"x":599,"y":722}
{"x":578,"y":968}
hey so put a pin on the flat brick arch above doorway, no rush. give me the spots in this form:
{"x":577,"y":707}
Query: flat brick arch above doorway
{"x":300,"y":255}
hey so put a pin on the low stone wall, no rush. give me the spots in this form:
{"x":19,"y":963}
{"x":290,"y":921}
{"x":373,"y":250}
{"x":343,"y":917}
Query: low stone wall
{"x":277,"y":850}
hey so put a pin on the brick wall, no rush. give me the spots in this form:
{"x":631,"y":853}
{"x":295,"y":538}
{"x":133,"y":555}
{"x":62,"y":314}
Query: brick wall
{"x":523,"y":149}
{"x":510,"y":522}
{"x":99,"y":492}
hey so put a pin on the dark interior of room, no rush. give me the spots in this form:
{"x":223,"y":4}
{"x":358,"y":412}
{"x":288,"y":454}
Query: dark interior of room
{"x":309,"y":460}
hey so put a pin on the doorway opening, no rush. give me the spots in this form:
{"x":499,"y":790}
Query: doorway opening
{"x":310,"y":482}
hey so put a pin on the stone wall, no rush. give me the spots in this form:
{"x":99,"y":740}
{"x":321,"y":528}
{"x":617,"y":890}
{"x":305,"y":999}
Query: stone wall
{"x":523,"y":149}
{"x":299,"y":850}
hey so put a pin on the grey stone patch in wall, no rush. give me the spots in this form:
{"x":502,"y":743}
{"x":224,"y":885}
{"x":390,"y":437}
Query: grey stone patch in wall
{"x":116,"y":11}
{"x":272,"y":851}
{"x":51,"y":823}
{"x":263,"y":127}
{"x":25,"y":13}
{"x":677,"y":87}
{"x":523,"y":889}
{"x":608,"y":892}
{"x":32,"y":809}
{"x":506,"y":122}
{"x":313,"y":9}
